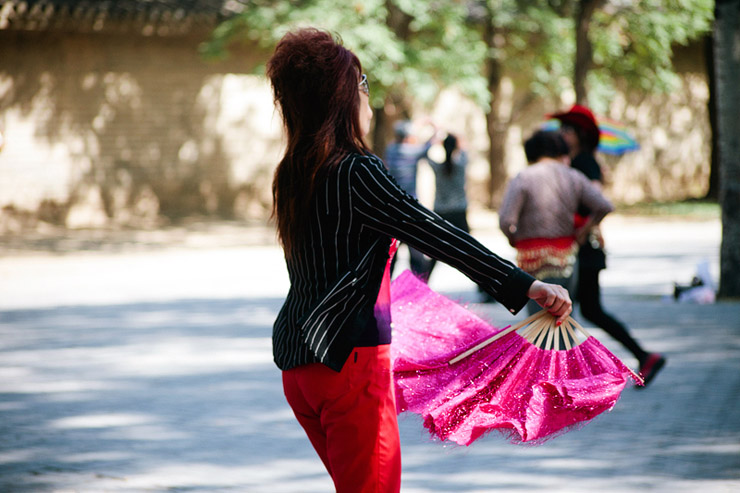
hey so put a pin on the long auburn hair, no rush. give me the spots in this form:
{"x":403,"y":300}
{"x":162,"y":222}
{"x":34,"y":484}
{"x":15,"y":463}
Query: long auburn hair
{"x":315,"y":84}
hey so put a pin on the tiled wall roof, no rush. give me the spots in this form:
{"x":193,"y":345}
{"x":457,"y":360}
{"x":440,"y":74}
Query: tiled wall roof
{"x":147,"y":17}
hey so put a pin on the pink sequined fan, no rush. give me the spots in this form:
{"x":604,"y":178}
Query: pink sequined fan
{"x":466,"y":377}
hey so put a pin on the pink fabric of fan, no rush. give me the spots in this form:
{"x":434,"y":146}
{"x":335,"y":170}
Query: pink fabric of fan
{"x":464,"y":386}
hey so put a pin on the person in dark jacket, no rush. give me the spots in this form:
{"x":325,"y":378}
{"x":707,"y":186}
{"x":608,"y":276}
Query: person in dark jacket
{"x":402,"y":158}
{"x":581,"y":133}
{"x":337,"y":210}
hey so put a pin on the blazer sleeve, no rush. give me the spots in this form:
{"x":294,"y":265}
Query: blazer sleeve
{"x":386,"y":208}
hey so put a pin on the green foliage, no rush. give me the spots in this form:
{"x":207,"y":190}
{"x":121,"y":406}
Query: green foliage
{"x":540,"y":46}
{"x":438,"y":51}
{"x":440,"y":43}
{"x":634,"y":40}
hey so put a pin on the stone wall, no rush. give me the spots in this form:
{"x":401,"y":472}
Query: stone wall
{"x":105,"y":129}
{"x":128,"y":130}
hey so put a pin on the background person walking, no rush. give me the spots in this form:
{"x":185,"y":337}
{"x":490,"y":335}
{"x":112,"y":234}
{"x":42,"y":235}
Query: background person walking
{"x":536,"y":214}
{"x":450,"y":200}
{"x":402,"y":158}
{"x":581,"y":133}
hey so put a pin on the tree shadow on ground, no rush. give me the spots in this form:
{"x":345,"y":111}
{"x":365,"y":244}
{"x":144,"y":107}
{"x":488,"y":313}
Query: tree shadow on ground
{"x":131,"y":393}
{"x":184,"y":396}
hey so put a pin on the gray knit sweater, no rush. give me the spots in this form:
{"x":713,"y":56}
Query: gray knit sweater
{"x":540,"y":202}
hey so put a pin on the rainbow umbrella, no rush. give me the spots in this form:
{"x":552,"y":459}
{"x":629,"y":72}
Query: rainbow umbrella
{"x":614,"y":137}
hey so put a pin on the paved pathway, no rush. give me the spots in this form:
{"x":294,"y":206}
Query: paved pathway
{"x":149,"y":370}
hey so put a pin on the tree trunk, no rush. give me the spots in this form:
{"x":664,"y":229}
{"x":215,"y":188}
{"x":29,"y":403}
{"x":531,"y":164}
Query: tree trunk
{"x":395,"y":106}
{"x":727,"y":66}
{"x":584,"y":50}
{"x":713,"y":189}
{"x":496,"y":128}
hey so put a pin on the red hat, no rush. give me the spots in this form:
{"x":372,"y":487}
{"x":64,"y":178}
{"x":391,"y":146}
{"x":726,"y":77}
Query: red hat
{"x":581,"y":117}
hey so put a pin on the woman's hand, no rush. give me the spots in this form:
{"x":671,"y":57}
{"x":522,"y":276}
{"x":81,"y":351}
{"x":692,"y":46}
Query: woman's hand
{"x":553,"y":298}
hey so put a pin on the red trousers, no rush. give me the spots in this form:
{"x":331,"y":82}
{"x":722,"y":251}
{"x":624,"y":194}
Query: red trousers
{"x":350,"y":418}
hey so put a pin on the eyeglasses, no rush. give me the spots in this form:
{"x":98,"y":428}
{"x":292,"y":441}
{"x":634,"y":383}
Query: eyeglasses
{"x":363,"y":85}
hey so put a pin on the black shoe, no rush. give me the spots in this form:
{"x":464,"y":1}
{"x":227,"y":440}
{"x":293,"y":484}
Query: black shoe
{"x":650,"y":367}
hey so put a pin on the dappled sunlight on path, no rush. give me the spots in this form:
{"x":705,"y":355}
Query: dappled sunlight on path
{"x":152,"y":371}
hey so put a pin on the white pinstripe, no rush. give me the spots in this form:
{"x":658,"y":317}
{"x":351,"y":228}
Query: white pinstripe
{"x":360,"y":203}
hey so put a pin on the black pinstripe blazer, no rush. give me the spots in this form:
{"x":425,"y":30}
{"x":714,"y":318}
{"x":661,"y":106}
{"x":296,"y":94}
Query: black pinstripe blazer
{"x":336,"y":272}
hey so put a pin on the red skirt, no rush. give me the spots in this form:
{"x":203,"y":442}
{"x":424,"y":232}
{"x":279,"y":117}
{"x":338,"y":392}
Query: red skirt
{"x":546,"y":258}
